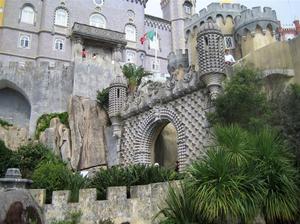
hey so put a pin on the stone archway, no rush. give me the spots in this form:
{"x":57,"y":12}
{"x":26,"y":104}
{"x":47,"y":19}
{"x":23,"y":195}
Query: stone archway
{"x":15,"y":106}
{"x":149,"y":128}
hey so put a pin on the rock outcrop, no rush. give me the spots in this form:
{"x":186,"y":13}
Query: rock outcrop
{"x":58,"y":138}
{"x":13,"y":137}
{"x":87,"y":123}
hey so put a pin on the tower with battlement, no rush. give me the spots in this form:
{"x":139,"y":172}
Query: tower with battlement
{"x":176,"y":11}
{"x":255,"y":28}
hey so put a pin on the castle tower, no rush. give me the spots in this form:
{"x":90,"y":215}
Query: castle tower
{"x":255,"y":28}
{"x":211,"y":58}
{"x":176,"y":11}
{"x":117,"y":97}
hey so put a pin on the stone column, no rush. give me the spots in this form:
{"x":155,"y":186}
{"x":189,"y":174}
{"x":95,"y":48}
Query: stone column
{"x":77,"y":45}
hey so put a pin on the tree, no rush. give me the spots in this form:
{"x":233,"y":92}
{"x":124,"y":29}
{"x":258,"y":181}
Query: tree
{"x":134,"y":75}
{"x":243,"y":102}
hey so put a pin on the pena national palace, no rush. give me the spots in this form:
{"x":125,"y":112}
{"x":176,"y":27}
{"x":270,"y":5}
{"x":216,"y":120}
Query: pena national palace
{"x":107,"y":114}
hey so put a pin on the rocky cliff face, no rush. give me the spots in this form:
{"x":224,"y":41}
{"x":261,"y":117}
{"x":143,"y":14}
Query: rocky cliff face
{"x":58,"y":138}
{"x":87,"y":123}
{"x":83,"y":144}
{"x":14,"y":137}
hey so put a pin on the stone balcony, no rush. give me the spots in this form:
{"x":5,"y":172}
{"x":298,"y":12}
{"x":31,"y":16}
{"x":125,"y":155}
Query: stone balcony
{"x":104,"y":36}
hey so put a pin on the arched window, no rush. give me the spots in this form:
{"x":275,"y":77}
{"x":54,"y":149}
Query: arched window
{"x":24,"y":41}
{"x":130,"y":31}
{"x":97,"y":20}
{"x":61,"y":17}
{"x":59,"y":44}
{"x":27,"y":15}
{"x":130,"y":56}
{"x":154,"y":44}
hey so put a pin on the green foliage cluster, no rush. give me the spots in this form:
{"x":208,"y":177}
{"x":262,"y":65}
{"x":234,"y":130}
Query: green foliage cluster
{"x":4,"y":123}
{"x":44,"y":122}
{"x":103,"y":98}
{"x":243,"y":102}
{"x":129,"y":176}
{"x":245,"y":174}
{"x":26,"y":158}
{"x":134,"y":75}
{"x":54,"y":176}
{"x":286,"y":117}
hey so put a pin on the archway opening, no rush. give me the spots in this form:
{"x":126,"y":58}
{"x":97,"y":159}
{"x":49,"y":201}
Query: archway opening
{"x":164,"y":150}
{"x":15,"y":108}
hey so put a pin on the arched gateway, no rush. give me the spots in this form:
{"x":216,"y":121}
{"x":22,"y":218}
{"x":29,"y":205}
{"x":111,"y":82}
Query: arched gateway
{"x":151,"y":127}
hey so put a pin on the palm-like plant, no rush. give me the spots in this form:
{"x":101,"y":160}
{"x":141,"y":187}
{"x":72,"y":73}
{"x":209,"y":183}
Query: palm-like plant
{"x":134,"y":75}
{"x":277,"y":171}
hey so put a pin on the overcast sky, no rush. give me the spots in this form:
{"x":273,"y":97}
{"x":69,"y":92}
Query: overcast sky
{"x":287,"y":10}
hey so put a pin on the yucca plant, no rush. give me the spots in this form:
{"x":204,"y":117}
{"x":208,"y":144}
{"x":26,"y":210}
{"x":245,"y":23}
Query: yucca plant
{"x":134,"y":75}
{"x":181,"y":207}
{"x":275,"y":164}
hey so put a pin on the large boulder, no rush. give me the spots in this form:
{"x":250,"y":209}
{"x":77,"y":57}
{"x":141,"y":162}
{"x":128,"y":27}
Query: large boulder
{"x":58,"y":138}
{"x":87,"y":123}
{"x":13,"y":137}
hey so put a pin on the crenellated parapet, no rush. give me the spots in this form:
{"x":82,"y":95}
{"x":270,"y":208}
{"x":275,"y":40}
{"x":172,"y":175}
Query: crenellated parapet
{"x":155,"y":22}
{"x":211,"y":13}
{"x":161,"y":93}
{"x":142,"y":2}
{"x":141,"y":207}
{"x":251,"y":19}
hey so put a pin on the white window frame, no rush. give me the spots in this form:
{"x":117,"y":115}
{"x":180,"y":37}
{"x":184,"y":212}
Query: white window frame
{"x":155,"y":44}
{"x":56,"y":42}
{"x":98,"y":4}
{"x":232,"y":41}
{"x":130,"y":32}
{"x":188,"y":9}
{"x":130,"y":57}
{"x":155,"y":67}
{"x":27,"y":15}
{"x":93,"y":22}
{"x":60,"y":19}
{"x":22,"y":40}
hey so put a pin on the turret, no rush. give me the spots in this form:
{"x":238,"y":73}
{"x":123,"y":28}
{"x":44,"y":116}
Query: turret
{"x":117,"y":97}
{"x":211,"y":58}
{"x":255,"y":28}
{"x":176,"y":11}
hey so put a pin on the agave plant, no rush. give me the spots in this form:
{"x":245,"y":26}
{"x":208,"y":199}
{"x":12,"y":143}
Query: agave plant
{"x":134,"y":75}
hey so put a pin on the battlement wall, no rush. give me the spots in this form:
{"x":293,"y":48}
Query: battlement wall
{"x":141,"y":207}
{"x":251,"y":18}
{"x":161,"y":24}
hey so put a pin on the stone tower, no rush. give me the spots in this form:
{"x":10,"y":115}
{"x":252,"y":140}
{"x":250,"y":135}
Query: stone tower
{"x":176,"y":11}
{"x":117,"y":97}
{"x":211,"y":59}
{"x":255,"y":28}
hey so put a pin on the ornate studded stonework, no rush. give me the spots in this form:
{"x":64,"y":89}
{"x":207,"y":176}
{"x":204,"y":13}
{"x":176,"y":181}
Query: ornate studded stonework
{"x":186,"y":113}
{"x":211,"y":59}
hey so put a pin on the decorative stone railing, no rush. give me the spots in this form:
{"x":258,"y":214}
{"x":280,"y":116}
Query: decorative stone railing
{"x":104,"y":35}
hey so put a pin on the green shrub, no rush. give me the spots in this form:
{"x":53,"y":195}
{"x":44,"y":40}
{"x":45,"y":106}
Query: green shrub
{"x":243,"y":102}
{"x":29,"y":156}
{"x":44,"y":122}
{"x":129,"y":176}
{"x":6,"y":161}
{"x":4,"y":123}
{"x":103,"y":98}
{"x":105,"y":221}
{"x":54,"y":176}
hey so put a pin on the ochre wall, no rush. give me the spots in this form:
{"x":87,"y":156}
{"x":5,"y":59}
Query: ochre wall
{"x":2,"y":4}
{"x":259,"y":40}
{"x":277,"y":56}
